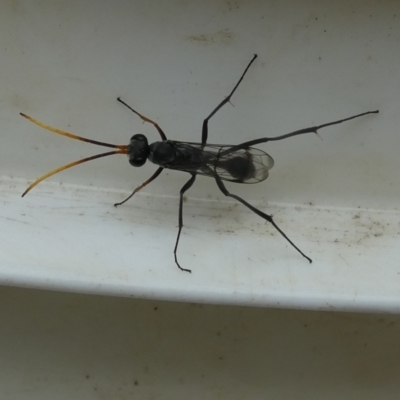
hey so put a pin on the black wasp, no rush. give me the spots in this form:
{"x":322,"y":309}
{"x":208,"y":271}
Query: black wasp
{"x":239,"y":163}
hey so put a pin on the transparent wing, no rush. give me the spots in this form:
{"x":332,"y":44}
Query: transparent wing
{"x":229,"y":162}
{"x":244,"y":165}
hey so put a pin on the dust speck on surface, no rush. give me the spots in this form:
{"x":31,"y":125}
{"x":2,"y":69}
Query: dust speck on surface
{"x":222,"y":37}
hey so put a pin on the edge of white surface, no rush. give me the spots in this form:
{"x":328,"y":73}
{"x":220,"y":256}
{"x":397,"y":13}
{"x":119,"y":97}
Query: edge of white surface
{"x":70,"y":238}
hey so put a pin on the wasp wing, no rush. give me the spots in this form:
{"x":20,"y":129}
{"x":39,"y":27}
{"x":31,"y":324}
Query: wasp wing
{"x":230,"y":162}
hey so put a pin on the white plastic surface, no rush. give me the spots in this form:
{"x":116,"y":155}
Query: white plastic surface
{"x":65,"y":64}
{"x":70,"y":238}
{"x":62,"y":346}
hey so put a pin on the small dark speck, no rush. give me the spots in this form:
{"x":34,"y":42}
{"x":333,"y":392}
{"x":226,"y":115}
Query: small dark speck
{"x":155,"y":308}
{"x":87,"y":376}
{"x":219,"y":333}
{"x":220,"y":358}
{"x":325,"y":30}
{"x":135,"y":382}
{"x":305,"y":325}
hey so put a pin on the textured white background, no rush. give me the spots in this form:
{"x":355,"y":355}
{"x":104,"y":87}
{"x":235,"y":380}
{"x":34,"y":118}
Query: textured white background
{"x":58,"y":345}
{"x":66,"y":62}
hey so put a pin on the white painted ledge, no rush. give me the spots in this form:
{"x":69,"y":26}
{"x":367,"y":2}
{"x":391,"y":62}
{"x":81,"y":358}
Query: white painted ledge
{"x":65,"y":63}
{"x":71,"y":238}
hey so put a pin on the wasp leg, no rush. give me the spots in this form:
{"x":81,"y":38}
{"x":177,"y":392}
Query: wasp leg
{"x":140,"y":187}
{"x":267,"y":217}
{"x":145,"y":119}
{"x":185,"y":187}
{"x":312,"y":129}
{"x":204,"y":132}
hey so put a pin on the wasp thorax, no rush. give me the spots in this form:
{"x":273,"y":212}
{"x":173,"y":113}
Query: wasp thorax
{"x":162,"y":153}
{"x":138,"y":150}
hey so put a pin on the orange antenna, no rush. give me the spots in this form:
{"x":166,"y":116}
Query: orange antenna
{"x":122,"y":149}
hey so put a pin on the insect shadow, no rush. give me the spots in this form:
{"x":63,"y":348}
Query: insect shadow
{"x":241,"y":163}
